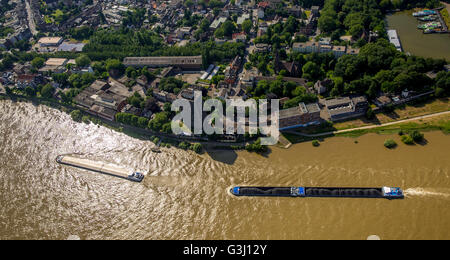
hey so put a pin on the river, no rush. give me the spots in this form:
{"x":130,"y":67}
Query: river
{"x":184,"y":195}
{"x":414,"y":41}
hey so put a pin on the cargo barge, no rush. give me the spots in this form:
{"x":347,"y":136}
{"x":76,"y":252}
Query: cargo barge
{"x":100,"y":168}
{"x":324,"y":192}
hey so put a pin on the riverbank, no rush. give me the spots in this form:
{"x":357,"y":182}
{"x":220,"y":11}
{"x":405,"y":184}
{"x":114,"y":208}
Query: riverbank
{"x":435,"y":122}
{"x":160,"y":139}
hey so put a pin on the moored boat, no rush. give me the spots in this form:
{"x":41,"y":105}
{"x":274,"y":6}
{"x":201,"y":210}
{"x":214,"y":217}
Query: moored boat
{"x":424,"y":13}
{"x":428,"y":18}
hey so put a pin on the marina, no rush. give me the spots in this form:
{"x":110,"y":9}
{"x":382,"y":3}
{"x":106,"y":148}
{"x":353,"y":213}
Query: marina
{"x":436,"y":23}
{"x":99,"y":167}
{"x":433,"y":43}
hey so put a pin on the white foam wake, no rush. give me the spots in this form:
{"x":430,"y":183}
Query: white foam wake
{"x":422,"y":192}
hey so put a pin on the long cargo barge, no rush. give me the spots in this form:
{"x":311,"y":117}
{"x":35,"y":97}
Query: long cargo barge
{"x":99,"y":167}
{"x":324,"y":192}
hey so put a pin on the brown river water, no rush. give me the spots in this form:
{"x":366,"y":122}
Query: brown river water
{"x":185,"y":195}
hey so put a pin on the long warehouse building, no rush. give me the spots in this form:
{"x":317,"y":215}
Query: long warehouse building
{"x":182,"y":62}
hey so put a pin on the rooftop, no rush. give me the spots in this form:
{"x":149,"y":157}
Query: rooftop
{"x":50,"y":40}
{"x":56,"y":62}
{"x":301,"y":109}
{"x":176,"y":60}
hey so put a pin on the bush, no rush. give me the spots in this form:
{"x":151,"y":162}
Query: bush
{"x":256,"y":147}
{"x":86,"y":119}
{"x":76,"y":115}
{"x":417,"y":136}
{"x":47,"y":91}
{"x":315,"y":143}
{"x":370,"y":114}
{"x":406,"y":139}
{"x":390,"y":144}
{"x":198,"y":148}
{"x":184,"y":145}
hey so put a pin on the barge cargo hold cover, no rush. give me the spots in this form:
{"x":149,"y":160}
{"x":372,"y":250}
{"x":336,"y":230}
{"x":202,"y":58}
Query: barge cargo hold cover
{"x":99,"y":167}
{"x":324,"y":192}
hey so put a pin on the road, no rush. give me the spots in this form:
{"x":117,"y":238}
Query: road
{"x":30,"y":18}
{"x":370,"y":126}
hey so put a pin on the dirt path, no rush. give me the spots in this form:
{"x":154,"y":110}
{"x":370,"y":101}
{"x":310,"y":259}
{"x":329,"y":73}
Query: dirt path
{"x":447,"y":6}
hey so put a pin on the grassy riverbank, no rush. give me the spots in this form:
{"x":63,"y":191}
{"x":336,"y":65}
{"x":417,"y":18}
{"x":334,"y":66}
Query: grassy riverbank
{"x":439,"y":123}
{"x":402,"y":112}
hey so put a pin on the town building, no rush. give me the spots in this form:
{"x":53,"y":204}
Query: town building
{"x":301,"y":116}
{"x":56,"y":65}
{"x":306,"y":47}
{"x":103,"y":99}
{"x":339,"y":51}
{"x":352,"y":51}
{"x":50,"y":41}
{"x":322,"y":86}
{"x":261,"y":48}
{"x":346,"y":107}
{"x":182,"y":62}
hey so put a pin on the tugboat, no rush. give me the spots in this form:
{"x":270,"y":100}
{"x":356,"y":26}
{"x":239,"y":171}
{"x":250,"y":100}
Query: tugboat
{"x":136,"y":176}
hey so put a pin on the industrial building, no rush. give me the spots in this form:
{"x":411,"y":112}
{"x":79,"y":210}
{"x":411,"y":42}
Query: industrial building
{"x":182,"y":62}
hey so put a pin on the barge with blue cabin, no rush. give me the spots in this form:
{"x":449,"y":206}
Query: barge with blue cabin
{"x":324,"y":192}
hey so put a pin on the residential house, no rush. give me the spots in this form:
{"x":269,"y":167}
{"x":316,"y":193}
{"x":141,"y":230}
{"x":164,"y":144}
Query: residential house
{"x":306,"y":47}
{"x":321,"y":86}
{"x":339,"y":51}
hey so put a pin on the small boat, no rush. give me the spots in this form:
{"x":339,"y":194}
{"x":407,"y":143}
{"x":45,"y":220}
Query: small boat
{"x":428,"y":31}
{"x":431,"y":25}
{"x":156,"y":150}
{"x":427,"y":18}
{"x":424,"y":13}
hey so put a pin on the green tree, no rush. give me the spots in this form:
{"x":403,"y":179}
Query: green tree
{"x":115,"y":66}
{"x":417,"y":136}
{"x":83,"y":61}
{"x":312,"y":71}
{"x":47,"y":91}
{"x":76,"y":115}
{"x":247,"y":26}
{"x":31,"y":92}
{"x":407,"y":139}
{"x":38,"y":62}
{"x":158,"y":121}
{"x":390,"y":144}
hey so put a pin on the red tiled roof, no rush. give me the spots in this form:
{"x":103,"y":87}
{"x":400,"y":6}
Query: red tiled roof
{"x":263,"y":4}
